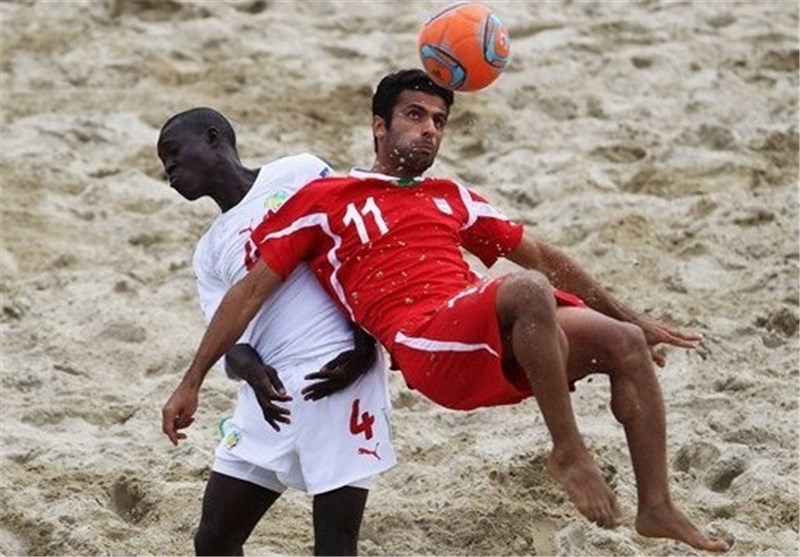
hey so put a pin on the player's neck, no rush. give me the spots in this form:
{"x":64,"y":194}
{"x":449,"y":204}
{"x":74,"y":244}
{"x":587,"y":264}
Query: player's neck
{"x":232,"y":186}
{"x":392,"y":170}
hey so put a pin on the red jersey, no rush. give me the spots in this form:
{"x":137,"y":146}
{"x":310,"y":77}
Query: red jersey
{"x":387,"y":249}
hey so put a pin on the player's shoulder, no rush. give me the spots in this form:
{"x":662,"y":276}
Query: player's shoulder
{"x":458,"y":189}
{"x":300,"y":161}
{"x":325,"y":183}
{"x":447,"y":183}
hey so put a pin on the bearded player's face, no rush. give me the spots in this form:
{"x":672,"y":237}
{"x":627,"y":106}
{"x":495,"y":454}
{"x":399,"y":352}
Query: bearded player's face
{"x":412,"y":140}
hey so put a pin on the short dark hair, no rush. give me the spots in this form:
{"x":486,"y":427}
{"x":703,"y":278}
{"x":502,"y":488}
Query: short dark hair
{"x":200,"y":119}
{"x":392,"y":85}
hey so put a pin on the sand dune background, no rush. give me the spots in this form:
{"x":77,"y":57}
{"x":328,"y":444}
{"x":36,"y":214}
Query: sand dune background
{"x":656,"y":142}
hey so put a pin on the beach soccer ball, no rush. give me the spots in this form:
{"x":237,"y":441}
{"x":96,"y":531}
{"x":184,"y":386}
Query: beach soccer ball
{"x":464,"y":46}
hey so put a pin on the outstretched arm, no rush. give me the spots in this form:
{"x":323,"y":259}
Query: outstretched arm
{"x":237,"y":308}
{"x":566,"y":274}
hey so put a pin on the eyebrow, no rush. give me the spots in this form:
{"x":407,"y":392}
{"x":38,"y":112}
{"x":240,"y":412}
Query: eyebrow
{"x":418,"y":106}
{"x":165,"y":142}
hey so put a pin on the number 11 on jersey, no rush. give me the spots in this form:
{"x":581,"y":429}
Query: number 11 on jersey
{"x":356,"y":217}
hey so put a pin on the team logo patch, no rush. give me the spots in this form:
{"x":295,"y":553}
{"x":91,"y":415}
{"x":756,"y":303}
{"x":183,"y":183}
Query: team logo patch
{"x":276,"y":199}
{"x":443,"y":206}
{"x":230,"y":435}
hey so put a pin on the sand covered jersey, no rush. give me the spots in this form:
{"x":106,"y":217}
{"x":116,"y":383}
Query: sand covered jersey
{"x":387,"y":249}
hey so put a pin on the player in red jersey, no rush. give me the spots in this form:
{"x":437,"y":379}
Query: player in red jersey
{"x":386,"y":245}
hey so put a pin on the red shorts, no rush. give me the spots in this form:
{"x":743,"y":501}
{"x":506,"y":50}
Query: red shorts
{"x":455,"y":358}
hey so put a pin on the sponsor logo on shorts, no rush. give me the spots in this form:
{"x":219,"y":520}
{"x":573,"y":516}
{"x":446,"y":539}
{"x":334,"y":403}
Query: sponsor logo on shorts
{"x":232,"y":439}
{"x":230,"y":435}
{"x":372,"y":452}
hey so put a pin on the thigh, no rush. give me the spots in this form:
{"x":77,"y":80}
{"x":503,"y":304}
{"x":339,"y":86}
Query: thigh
{"x":337,"y":520}
{"x":232,"y":506}
{"x":344,"y":505}
{"x":345,"y":437}
{"x":592,"y":337}
{"x":455,"y":357}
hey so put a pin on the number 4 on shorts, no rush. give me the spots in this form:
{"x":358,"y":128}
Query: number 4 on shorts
{"x":364,"y":425}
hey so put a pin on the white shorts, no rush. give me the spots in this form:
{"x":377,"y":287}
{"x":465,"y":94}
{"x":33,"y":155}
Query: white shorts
{"x":343,"y":439}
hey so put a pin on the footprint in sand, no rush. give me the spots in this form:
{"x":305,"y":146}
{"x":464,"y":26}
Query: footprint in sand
{"x":125,"y":332}
{"x":128,"y":498}
{"x":722,"y":473}
{"x":696,"y":456}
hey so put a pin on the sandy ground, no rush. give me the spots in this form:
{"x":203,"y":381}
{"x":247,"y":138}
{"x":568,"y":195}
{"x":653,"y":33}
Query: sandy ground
{"x":656,"y":142}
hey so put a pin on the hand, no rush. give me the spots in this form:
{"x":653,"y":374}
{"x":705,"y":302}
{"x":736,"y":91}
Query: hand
{"x":657,"y":332}
{"x":337,"y":374}
{"x":178,"y":412}
{"x":243,"y":362}
{"x":269,"y":389}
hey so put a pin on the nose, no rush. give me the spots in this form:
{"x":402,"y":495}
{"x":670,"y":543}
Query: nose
{"x":428,"y":127}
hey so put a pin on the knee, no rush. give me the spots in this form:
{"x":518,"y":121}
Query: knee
{"x":630,"y":373}
{"x":628,"y":347}
{"x":339,"y":541}
{"x":211,"y":539}
{"x":529,"y":294}
{"x":337,"y":537}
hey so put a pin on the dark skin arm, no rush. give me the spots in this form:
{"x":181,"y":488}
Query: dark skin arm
{"x":567,"y":275}
{"x":343,"y":370}
{"x":243,"y":362}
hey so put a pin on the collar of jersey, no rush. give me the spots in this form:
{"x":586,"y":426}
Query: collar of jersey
{"x":403,"y":182}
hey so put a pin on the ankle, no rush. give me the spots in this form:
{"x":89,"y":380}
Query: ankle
{"x":654,"y":505}
{"x":564,"y":455}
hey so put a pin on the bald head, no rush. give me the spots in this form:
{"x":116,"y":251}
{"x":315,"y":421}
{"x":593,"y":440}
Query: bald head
{"x":200,"y":121}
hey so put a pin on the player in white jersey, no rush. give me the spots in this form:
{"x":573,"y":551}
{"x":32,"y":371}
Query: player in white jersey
{"x":286,"y":431}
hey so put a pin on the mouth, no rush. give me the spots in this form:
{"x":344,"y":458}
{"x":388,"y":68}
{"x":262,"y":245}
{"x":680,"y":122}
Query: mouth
{"x":424,"y":148}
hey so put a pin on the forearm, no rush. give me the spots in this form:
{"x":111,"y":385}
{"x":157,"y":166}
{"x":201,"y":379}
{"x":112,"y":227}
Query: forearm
{"x":241,"y":361}
{"x":364,"y":346}
{"x":237,"y":308}
{"x":567,"y":275}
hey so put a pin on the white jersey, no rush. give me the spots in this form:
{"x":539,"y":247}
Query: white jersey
{"x":342,"y":439}
{"x":299,"y":321}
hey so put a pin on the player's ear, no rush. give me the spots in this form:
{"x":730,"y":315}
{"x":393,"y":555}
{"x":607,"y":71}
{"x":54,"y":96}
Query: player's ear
{"x":212,"y":137}
{"x":378,"y":127}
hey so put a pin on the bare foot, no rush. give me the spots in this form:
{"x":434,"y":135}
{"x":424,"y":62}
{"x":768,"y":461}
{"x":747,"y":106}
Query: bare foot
{"x":586,"y":488}
{"x":668,"y":522}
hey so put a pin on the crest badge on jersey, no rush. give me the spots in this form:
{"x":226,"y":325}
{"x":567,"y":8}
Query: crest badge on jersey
{"x":275,"y":199}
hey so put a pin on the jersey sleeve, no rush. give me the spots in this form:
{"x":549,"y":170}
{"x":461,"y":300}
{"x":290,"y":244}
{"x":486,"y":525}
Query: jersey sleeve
{"x":487,"y":233}
{"x":308,"y":167}
{"x":287,"y":237}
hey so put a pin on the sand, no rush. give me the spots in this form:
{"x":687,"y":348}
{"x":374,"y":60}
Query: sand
{"x":655,"y":142}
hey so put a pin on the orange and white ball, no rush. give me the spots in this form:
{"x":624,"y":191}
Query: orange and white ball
{"x":464,"y":46}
